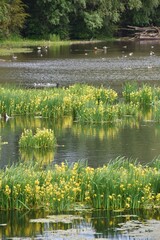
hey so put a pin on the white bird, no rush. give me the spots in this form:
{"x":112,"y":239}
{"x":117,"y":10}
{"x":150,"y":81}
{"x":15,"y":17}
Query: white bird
{"x":14,"y":57}
{"x":131,"y":54}
{"x":152,"y":53}
{"x":4,"y":116}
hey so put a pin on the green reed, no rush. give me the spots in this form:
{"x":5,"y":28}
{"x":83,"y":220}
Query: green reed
{"x":121,"y":184}
{"x":83,"y":102}
{"x":42,"y":138}
{"x":144,"y":95}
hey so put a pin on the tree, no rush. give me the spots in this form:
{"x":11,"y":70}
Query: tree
{"x":48,"y":17}
{"x":86,"y":18}
{"x":140,"y":12}
{"x":12,"y":17}
{"x":4,"y":21}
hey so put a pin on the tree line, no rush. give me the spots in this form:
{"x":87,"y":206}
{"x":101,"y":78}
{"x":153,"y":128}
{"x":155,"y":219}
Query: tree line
{"x":74,"y":19}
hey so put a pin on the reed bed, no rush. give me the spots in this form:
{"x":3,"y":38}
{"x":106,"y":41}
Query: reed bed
{"x":86,"y":104}
{"x":121,"y":184}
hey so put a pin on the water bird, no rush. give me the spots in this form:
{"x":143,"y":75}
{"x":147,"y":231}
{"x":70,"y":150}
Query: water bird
{"x":46,"y":49}
{"x":98,"y":49}
{"x":39,"y":49}
{"x":105,"y":49}
{"x":152,"y":53}
{"x":4,"y":116}
{"x":14,"y":57}
{"x":131,"y":54}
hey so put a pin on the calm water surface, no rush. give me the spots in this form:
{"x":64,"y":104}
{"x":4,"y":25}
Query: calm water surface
{"x":92,"y":225}
{"x":65,"y":65}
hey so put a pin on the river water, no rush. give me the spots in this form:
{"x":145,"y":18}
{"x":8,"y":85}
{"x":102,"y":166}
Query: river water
{"x":110,"y":64}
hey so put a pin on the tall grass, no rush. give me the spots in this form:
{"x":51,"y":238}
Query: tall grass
{"x":84,"y":103}
{"x":121,"y":184}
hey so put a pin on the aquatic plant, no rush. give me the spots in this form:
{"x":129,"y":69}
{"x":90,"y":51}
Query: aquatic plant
{"x":121,"y":184}
{"x":43,"y":138}
{"x":82,"y":102}
{"x":144,"y":95}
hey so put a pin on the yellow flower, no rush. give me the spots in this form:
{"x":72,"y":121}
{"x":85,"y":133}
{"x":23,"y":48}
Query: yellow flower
{"x":127,"y":205}
{"x":37,"y":182}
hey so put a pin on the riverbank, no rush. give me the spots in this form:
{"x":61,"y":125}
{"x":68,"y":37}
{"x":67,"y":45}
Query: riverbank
{"x":121,"y":184}
{"x":12,"y":46}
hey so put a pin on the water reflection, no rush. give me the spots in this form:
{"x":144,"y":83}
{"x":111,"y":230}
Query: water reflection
{"x":97,"y":144}
{"x":89,"y":224}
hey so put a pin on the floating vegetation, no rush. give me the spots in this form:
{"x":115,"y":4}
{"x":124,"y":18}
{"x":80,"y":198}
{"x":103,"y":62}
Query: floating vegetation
{"x":140,"y":230}
{"x":121,"y":184}
{"x":57,"y":218}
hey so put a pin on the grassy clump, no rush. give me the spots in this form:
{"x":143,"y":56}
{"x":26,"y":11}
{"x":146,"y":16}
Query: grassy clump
{"x":121,"y":184}
{"x":43,"y":138}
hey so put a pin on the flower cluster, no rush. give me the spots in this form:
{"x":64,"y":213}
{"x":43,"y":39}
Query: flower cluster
{"x":118,"y":185}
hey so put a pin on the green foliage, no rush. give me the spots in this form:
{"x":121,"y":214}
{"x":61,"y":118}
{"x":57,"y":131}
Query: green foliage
{"x":74,"y":19}
{"x":54,"y":38}
{"x":12,"y":17}
{"x":121,"y":184}
{"x":81,"y":102}
{"x":141,"y":12}
{"x":93,"y":21}
{"x":43,"y":138}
